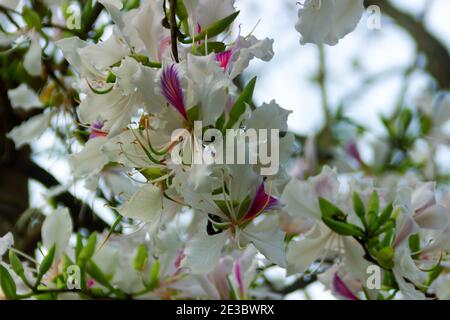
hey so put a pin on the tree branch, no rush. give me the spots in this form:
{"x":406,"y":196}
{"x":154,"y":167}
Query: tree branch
{"x":82,"y":214}
{"x":438,"y":58}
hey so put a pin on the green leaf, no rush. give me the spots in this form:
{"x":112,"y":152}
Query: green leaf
{"x":7,"y":283}
{"x":385,"y":215}
{"x":154,"y":275}
{"x":217,"y":27}
{"x":141,"y":258}
{"x":31,"y":18}
{"x":212,"y":47}
{"x":414,"y":245}
{"x":374,"y":203}
{"x":343,"y":228}
{"x":47,"y":262}
{"x":153,"y":173}
{"x":16,"y":264}
{"x":358,"y":207}
{"x":97,"y":274}
{"x":244,"y":98}
{"x":181,"y":10}
{"x":88,"y":251}
{"x":405,"y":120}
{"x":193,"y":113}
{"x":385,"y":257}
{"x":133,"y":4}
{"x":329,"y":210}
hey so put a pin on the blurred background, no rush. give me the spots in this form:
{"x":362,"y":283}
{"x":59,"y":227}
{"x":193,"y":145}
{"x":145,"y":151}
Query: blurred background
{"x":341,"y":93}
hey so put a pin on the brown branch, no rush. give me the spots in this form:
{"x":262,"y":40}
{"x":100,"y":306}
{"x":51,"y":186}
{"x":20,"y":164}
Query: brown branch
{"x":438,"y":58}
{"x":82,"y":214}
{"x":173,"y":29}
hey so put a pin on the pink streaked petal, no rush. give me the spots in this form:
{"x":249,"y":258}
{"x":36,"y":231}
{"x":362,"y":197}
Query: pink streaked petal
{"x":96,"y":130}
{"x":171,"y":89}
{"x":260,"y":203}
{"x":341,"y":288}
{"x":90,"y":283}
{"x":224,"y":59}
{"x":164,"y":43}
{"x":239,"y":280}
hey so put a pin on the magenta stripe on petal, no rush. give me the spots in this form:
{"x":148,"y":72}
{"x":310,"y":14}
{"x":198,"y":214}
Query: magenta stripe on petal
{"x":341,"y":288}
{"x":96,"y":130}
{"x":261,"y":202}
{"x":171,"y":89}
{"x":238,"y":275}
{"x":224,"y":59}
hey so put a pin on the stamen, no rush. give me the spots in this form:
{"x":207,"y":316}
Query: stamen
{"x":171,"y":89}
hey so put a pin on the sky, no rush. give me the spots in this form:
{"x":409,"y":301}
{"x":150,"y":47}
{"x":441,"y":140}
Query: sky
{"x":287,"y":79}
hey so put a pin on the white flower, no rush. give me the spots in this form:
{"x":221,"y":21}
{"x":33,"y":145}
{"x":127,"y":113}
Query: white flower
{"x":90,"y":160}
{"x":11,"y":4}
{"x":247,"y":49}
{"x":145,"y":205}
{"x":57,"y":230}
{"x":23,"y":97}
{"x":30,"y":130}
{"x":328,"y":21}
{"x":105,"y":54}
{"x":33,"y":57}
{"x":6,"y":242}
{"x":203,"y":13}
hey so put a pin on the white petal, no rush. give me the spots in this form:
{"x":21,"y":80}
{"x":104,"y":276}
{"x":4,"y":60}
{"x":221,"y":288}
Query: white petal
{"x":251,"y":48}
{"x":104,"y":54}
{"x":269,"y":116}
{"x":30,"y":130}
{"x":23,"y":97}
{"x":435,"y":217}
{"x":145,"y":204}
{"x":11,"y":4}
{"x":33,"y":57}
{"x":90,"y":160}
{"x":6,"y":242}
{"x":328,"y":21}
{"x":56,"y":230}
{"x":69,"y":47}
{"x":300,"y":201}
{"x":268,"y":239}
{"x":204,"y":251}
{"x":301,"y":254}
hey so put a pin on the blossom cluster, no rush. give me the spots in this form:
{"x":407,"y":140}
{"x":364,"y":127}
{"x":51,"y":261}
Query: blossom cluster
{"x":206,"y":230}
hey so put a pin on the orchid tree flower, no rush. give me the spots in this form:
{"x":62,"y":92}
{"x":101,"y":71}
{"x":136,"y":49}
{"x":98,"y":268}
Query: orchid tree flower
{"x":328,"y":21}
{"x":236,"y":218}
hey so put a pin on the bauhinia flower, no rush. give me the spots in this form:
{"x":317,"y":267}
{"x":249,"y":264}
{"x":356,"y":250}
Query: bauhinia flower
{"x":328,"y":21}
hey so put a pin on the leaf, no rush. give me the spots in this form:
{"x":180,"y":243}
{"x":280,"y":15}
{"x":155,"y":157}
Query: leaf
{"x":343,"y":228}
{"x":16,"y":264}
{"x":31,"y":18}
{"x":374,"y":203}
{"x":181,"y":10}
{"x":212,"y":47}
{"x":47,"y":262}
{"x":88,"y":251}
{"x":244,"y":98}
{"x":154,"y":275}
{"x":141,"y":258}
{"x":358,"y":207}
{"x":329,"y":210}
{"x":7,"y":283}
{"x":98,"y":275}
{"x":414,"y":245}
{"x":385,"y":215}
{"x":217,"y":27}
{"x":385,"y":257}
